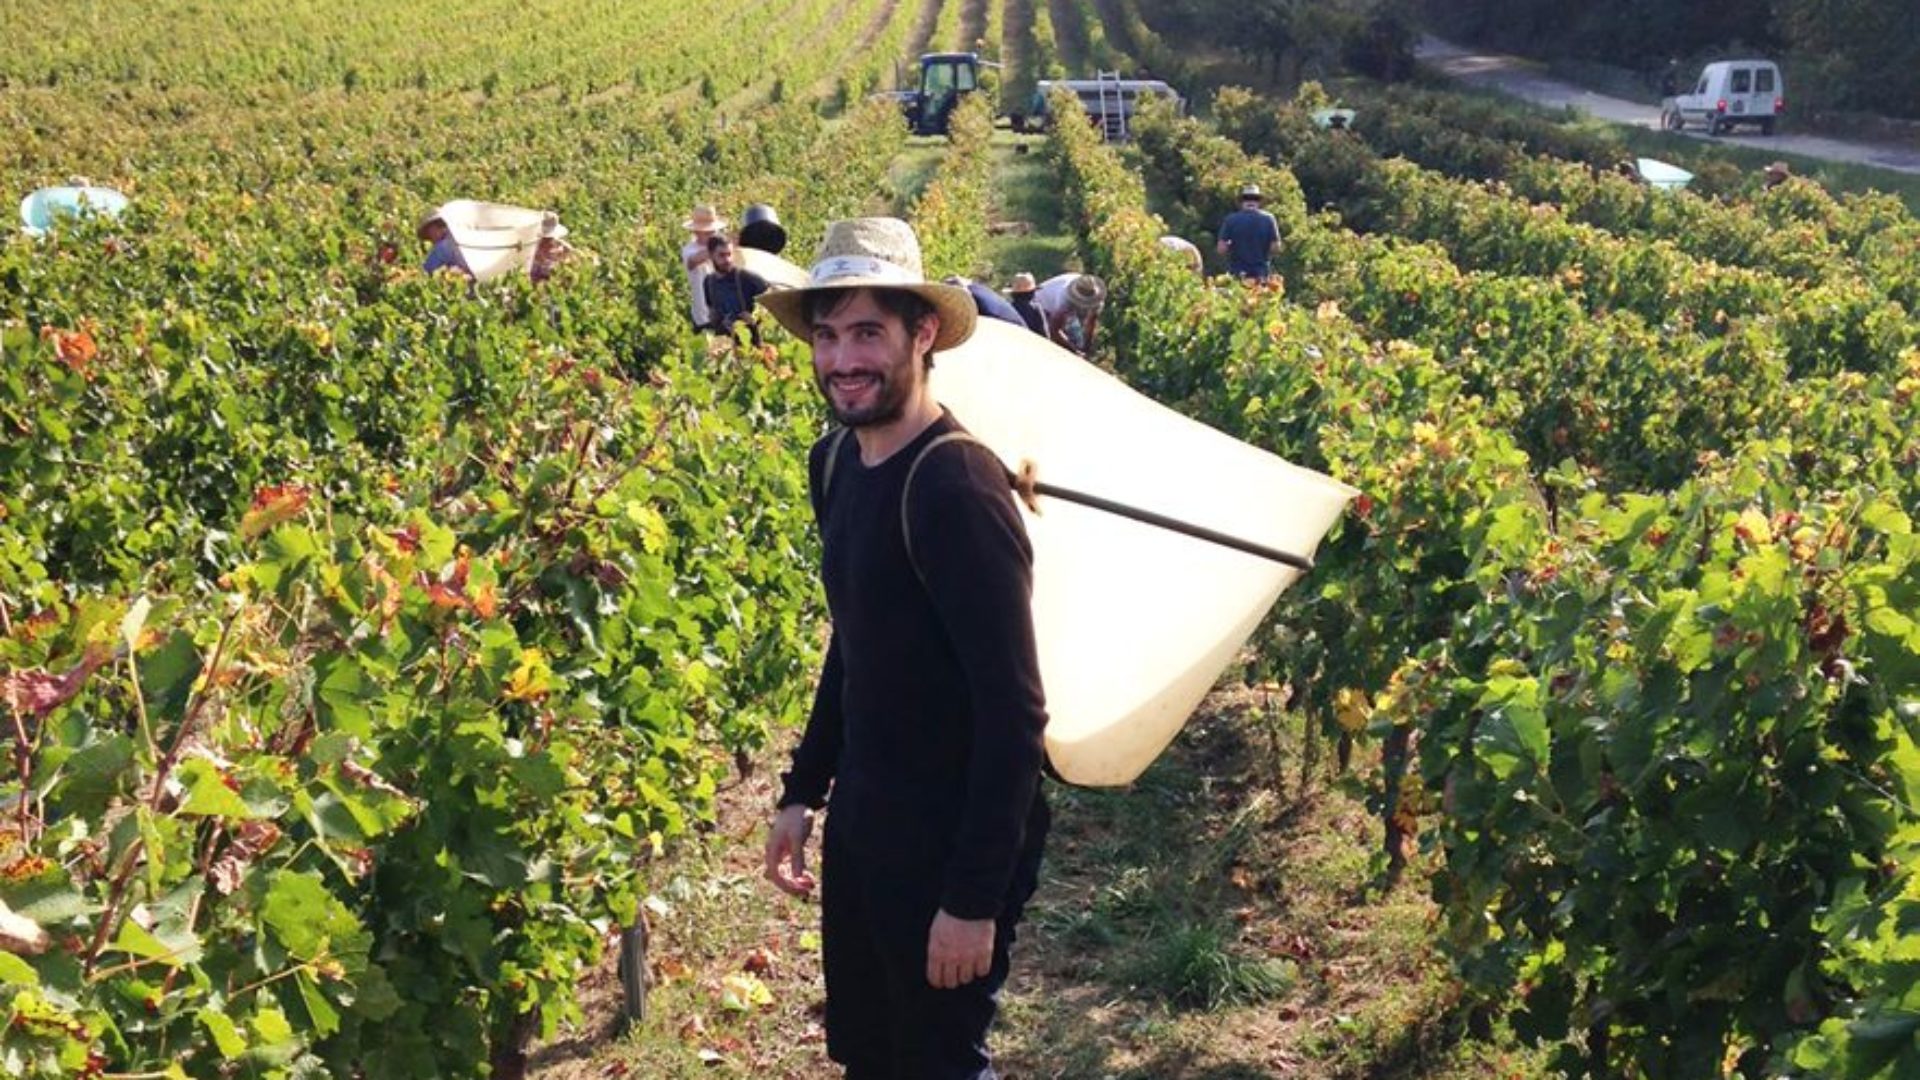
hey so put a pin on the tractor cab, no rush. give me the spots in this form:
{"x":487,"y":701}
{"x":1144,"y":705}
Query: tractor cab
{"x":944,"y":78}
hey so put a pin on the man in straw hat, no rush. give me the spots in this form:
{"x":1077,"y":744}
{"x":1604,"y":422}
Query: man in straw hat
{"x":987,"y":303}
{"x":551,"y":250}
{"x":1249,"y":236}
{"x":1071,"y":305}
{"x":1020,"y":294}
{"x":704,"y":223}
{"x":925,"y":737}
{"x":1775,"y":174}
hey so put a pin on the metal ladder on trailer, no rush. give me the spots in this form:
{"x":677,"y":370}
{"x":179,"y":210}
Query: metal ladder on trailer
{"x":1113,"y":107}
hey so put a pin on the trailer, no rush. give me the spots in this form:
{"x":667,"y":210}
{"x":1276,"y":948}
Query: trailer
{"x":1109,"y":100}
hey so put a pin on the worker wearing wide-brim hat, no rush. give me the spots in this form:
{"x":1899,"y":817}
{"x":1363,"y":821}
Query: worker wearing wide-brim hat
{"x":926,"y":730}
{"x":551,"y":249}
{"x":1249,"y":236}
{"x":1186,"y":250}
{"x":1775,"y":174}
{"x":1020,"y":294}
{"x":1071,"y":304}
{"x":874,"y":254}
{"x":704,"y":223}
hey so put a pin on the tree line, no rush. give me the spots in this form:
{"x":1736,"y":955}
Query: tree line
{"x":1852,"y":55}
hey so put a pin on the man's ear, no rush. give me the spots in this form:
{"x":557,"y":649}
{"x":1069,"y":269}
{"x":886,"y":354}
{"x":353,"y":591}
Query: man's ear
{"x":925,"y":333}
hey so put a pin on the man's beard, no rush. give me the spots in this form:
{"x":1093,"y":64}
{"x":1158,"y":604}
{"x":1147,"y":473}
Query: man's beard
{"x":890,"y":397}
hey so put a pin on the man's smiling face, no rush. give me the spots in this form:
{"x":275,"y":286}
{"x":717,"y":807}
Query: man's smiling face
{"x":866,"y":361}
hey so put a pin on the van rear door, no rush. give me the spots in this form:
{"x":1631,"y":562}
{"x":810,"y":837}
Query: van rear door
{"x":1766,"y":90}
{"x":1739,"y":92}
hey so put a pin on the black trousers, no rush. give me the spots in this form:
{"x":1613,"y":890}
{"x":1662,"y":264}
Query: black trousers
{"x":884,"y":1020}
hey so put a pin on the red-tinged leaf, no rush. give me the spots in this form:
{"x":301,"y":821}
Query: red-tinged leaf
{"x":272,"y":505}
{"x":442,"y":597}
{"x":485,"y":601}
{"x":37,"y":693}
{"x":74,"y":348}
{"x":758,"y":962}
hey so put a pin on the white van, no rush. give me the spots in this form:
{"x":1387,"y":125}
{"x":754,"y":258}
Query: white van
{"x":1729,"y":92}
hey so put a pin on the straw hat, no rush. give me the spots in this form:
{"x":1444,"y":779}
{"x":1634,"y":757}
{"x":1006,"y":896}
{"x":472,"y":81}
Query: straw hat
{"x":438,"y":214}
{"x":1086,"y":293}
{"x":704,"y":219}
{"x":875,"y":253}
{"x":1022,"y":283}
{"x":550,"y":227}
{"x":1251,"y":191}
{"x":1184,"y":248}
{"x":1778,"y":168}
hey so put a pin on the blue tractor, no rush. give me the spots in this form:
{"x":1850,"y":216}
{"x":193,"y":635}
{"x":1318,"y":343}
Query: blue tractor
{"x":944,"y":79}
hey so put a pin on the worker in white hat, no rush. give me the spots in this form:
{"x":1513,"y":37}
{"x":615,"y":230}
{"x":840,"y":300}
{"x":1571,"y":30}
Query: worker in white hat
{"x":445,"y":254}
{"x":704,"y":223}
{"x":551,"y":250}
{"x":925,"y":739}
{"x":1186,"y":250}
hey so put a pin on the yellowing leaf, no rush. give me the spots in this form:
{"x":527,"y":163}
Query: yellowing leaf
{"x":1754,"y":526}
{"x":532,"y":679}
{"x":741,"y":992}
{"x":1351,"y":710}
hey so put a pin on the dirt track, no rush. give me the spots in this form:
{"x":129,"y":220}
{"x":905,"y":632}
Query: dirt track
{"x":1524,"y":79}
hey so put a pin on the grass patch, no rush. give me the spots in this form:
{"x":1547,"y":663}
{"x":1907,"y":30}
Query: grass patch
{"x":1028,"y":234}
{"x":914,"y":169}
{"x":1197,"y":966}
{"x":1198,"y":924}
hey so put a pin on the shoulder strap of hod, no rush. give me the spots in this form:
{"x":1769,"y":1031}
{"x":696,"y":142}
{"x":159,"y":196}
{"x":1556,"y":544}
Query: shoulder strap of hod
{"x":906,"y":534}
{"x":833,"y":458}
{"x":906,"y":491}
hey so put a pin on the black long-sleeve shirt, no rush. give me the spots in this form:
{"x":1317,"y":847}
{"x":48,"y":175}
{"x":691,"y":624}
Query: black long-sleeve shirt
{"x":928,"y":721}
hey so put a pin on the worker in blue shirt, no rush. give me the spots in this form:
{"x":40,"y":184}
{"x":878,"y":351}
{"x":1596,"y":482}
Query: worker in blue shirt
{"x":1248,"y":237}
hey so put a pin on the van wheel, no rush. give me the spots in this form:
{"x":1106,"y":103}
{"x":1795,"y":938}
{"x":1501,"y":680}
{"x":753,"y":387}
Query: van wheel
{"x":1766,"y":126}
{"x":1672,"y":120}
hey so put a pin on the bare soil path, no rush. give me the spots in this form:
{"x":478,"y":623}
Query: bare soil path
{"x":921,"y":38}
{"x":1070,"y":35}
{"x":973,"y":23}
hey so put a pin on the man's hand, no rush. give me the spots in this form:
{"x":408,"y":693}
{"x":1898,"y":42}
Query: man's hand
{"x":958,"y":950}
{"x":787,"y":850}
